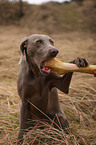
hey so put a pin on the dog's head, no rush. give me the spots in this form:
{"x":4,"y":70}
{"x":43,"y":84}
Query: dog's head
{"x":38,"y":48}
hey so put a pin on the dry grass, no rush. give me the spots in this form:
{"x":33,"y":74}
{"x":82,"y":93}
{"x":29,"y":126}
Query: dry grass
{"x":79,"y":105}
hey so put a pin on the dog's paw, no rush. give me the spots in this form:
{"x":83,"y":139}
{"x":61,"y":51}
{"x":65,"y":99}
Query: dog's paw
{"x":81,"y":62}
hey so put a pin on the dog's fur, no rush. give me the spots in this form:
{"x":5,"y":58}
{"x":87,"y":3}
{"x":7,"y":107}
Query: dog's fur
{"x":36,"y":87}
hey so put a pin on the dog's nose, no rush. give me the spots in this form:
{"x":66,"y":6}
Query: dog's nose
{"x":54,"y":52}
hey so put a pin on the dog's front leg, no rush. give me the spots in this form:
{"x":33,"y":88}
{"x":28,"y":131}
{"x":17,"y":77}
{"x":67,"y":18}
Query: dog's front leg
{"x":61,"y":82}
{"x":25,"y":115}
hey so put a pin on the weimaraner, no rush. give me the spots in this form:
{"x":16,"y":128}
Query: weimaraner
{"x":37,"y":86}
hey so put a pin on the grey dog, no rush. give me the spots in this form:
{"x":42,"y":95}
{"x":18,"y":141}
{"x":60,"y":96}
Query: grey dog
{"x":37,"y":86}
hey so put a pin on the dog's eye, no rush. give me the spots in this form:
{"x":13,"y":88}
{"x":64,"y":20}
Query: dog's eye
{"x":38,"y":42}
{"x":52,"y":43}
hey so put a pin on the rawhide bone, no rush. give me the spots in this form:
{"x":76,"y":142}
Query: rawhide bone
{"x":56,"y":65}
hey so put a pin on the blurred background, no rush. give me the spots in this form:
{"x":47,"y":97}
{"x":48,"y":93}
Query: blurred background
{"x":50,"y":16}
{"x":72,"y":26}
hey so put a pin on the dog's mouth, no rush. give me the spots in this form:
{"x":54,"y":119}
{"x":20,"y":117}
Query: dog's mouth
{"x":44,"y":69}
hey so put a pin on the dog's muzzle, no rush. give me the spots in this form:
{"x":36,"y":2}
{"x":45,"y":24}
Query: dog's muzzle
{"x":53,"y":53}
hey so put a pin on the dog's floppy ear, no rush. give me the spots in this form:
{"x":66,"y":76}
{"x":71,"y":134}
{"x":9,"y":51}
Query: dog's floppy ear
{"x":23,"y":45}
{"x":23,"y":48}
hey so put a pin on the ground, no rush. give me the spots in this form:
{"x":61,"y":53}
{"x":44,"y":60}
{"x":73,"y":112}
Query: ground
{"x":79,"y":105}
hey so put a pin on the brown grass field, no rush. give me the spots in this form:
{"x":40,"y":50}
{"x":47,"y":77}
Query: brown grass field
{"x":79,"y":105}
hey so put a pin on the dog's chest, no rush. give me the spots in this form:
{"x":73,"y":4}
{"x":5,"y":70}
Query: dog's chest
{"x":38,"y":93}
{"x":36,"y":87}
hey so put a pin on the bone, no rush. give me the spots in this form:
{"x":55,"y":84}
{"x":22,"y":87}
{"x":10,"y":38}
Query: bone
{"x":56,"y":65}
